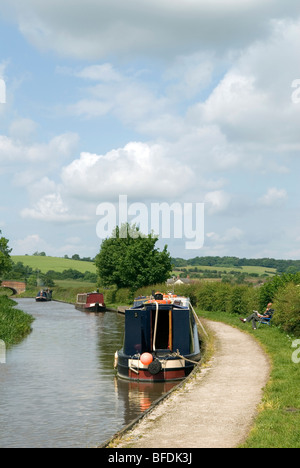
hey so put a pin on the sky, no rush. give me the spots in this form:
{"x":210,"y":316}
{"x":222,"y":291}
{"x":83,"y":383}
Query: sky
{"x":168,"y":102}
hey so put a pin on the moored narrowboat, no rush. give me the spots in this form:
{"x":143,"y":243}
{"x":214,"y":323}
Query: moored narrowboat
{"x":44,"y":296}
{"x":91,"y":302}
{"x":161,"y":340}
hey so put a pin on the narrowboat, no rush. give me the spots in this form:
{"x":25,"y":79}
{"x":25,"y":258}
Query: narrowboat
{"x":161,"y":340}
{"x":44,"y":296}
{"x":91,"y":302}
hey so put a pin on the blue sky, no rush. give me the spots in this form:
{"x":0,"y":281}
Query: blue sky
{"x":163,"y":101}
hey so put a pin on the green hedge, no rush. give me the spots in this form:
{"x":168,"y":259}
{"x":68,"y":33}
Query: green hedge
{"x":287,"y":306}
{"x":241,"y":300}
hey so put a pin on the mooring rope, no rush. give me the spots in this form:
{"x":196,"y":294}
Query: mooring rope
{"x":198,"y":320}
{"x":177,"y":354}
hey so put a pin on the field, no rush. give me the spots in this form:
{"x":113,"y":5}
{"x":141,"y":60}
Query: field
{"x":45,"y":264}
{"x":245,"y":269}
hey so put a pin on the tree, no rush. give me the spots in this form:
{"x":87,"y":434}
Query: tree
{"x":129,"y":259}
{"x":5,"y":260}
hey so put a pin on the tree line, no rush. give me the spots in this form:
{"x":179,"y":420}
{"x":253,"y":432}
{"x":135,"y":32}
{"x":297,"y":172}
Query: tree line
{"x":66,"y":257}
{"x":19,"y":271}
{"x":281,"y":266}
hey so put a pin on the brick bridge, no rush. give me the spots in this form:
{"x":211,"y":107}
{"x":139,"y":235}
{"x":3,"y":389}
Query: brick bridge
{"x":16,"y":286}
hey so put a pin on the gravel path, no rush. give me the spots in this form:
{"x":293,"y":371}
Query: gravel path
{"x":216,"y":408}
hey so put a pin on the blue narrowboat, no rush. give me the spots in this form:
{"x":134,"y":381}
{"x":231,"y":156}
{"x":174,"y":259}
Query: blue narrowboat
{"x":161,"y":340}
{"x":44,"y":296}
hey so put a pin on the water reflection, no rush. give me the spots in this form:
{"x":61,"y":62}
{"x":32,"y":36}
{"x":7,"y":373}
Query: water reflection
{"x":58,"y":387}
{"x":139,"y":396}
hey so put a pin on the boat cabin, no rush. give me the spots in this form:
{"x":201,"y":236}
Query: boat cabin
{"x":166,"y":330}
{"x":170,"y":331}
{"x":91,"y":302}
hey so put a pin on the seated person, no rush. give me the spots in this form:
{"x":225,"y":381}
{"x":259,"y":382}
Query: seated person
{"x":256,"y":317}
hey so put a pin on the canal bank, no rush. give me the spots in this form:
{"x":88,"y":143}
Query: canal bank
{"x":215,"y":407}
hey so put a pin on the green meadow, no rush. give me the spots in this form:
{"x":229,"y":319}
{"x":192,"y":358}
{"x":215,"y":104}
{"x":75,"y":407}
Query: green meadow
{"x":45,"y":264}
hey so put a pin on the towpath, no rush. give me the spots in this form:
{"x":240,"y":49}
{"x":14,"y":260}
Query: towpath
{"x":216,"y":407}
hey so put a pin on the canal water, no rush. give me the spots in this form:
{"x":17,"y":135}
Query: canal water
{"x":58,"y":388}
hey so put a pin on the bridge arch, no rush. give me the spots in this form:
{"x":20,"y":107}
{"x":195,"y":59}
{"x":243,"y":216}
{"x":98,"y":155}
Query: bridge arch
{"x":16,"y":287}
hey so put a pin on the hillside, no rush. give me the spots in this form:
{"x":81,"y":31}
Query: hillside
{"x":45,"y":264}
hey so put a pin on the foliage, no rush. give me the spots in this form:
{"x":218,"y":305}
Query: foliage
{"x":287,"y":306}
{"x":129,"y":259}
{"x":21,"y":272}
{"x":269,"y":290}
{"x":14,"y":324}
{"x":225,"y":297}
{"x":5,"y":260}
{"x":282,"y":266}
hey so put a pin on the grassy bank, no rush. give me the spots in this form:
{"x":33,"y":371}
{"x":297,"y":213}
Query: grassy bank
{"x":14,"y":324}
{"x":278,"y":422}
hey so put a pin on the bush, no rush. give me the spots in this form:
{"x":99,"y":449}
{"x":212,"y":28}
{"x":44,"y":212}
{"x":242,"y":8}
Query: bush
{"x":287,"y":308}
{"x":269,"y":290}
{"x":14,"y":324}
{"x":243,"y":300}
{"x":110,"y":296}
{"x":124,"y":296}
{"x":225,"y":297}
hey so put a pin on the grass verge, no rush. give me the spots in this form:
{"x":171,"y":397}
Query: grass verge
{"x":278,"y":421}
{"x":14,"y":324}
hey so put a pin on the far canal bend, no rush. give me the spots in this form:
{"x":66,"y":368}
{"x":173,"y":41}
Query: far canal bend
{"x":58,"y":387}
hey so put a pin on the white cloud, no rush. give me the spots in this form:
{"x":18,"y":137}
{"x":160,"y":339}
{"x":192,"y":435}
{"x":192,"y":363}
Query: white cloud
{"x":235,"y":98}
{"x":137,"y":170}
{"x":35,"y":243}
{"x":274,"y":197}
{"x":231,"y":235}
{"x":30,"y":244}
{"x":104,"y":72}
{"x":217,"y":201}
{"x":94,"y":29}
{"x":51,"y":208}
{"x":22,"y":130}
{"x":12,"y":150}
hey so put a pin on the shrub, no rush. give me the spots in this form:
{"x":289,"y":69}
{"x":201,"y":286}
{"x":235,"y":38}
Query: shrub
{"x":14,"y":324}
{"x":287,"y":308}
{"x":124,"y":296}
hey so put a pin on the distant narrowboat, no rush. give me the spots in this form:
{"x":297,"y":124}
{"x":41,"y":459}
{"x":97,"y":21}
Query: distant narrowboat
{"x":161,"y":340}
{"x":44,"y":296}
{"x":91,"y":302}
